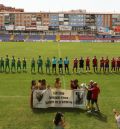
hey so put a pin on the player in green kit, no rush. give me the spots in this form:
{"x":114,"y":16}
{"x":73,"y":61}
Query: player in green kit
{"x":48,"y":64}
{"x":7,"y":65}
{"x":18,"y":65}
{"x":24,"y":64}
{"x":1,"y":64}
{"x":32,"y":65}
{"x":13,"y":65}
{"x":40,"y":64}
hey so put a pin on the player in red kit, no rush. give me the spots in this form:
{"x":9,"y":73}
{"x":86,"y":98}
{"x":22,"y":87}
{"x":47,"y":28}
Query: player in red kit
{"x":95,"y":92}
{"x":107,"y":64}
{"x":113,"y":64}
{"x":102,"y":64}
{"x":87,"y":64}
{"x":95,"y":64}
{"x":75,"y":64}
{"x":118,"y":64}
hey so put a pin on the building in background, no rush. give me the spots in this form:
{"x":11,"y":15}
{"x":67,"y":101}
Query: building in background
{"x":74,"y":21}
{"x":9,"y":9}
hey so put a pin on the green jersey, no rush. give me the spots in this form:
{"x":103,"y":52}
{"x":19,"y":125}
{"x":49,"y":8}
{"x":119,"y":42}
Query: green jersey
{"x":7,"y":61}
{"x":33,"y":63}
{"x":48,"y":63}
{"x":60,"y":61}
{"x":18,"y":63}
{"x":1,"y":62}
{"x":24,"y":62}
{"x":39,"y":62}
{"x":13,"y":62}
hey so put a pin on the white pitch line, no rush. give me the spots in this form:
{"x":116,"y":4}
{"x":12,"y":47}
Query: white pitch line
{"x":59,"y":54}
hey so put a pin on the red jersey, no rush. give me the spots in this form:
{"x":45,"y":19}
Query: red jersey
{"x":94,"y":61}
{"x":102,"y":61}
{"x":87,"y":61}
{"x":95,"y":92}
{"x":75,"y":61}
{"x":106,"y":61}
{"x":73,"y":86}
{"x":113,"y":61}
{"x":118,"y":62}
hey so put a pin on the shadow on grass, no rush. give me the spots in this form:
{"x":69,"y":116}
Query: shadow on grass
{"x":98,"y":115}
{"x":52,"y":110}
{"x":117,"y":73}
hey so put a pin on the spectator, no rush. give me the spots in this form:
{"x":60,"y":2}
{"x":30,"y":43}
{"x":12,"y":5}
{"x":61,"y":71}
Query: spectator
{"x":39,"y":84}
{"x":117,"y":117}
{"x":43,"y":84}
{"x":58,"y":83}
{"x":33,"y":85}
{"x":59,"y":121}
{"x":48,"y":86}
{"x":74,"y":84}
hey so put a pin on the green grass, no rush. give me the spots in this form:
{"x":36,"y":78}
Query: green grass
{"x":15,"y":111}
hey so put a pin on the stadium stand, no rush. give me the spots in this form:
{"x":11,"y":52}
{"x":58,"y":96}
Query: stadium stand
{"x":27,"y":37}
{"x":34,"y":37}
{"x":67,"y":37}
{"x":50,"y":37}
{"x":85,"y":37}
{"x":19,"y":37}
{"x":5,"y":37}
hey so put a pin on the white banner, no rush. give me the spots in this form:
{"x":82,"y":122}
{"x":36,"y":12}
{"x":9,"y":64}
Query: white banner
{"x":59,"y":98}
{"x":65,"y":27}
{"x":9,"y":27}
{"x":19,"y":27}
{"x":42,"y":27}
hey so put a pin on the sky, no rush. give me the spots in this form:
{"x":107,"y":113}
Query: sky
{"x":64,"y":5}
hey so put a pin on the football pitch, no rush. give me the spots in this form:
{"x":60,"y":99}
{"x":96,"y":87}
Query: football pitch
{"x":15,"y":111}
